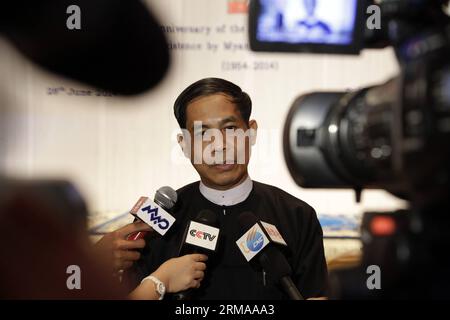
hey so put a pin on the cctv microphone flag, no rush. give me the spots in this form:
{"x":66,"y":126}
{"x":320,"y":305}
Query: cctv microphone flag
{"x":257,"y":238}
{"x":202,"y":235}
{"x":153,"y":215}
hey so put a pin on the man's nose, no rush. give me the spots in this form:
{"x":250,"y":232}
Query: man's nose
{"x":219,"y":145}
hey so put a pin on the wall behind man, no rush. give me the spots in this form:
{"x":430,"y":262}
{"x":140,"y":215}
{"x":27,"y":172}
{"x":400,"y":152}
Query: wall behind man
{"x":117,"y":149}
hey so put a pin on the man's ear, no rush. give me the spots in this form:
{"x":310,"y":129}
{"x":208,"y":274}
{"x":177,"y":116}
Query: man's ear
{"x":253,"y":131}
{"x":182,"y":144}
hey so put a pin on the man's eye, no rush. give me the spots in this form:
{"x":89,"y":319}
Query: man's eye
{"x":200,"y":133}
{"x":231,"y":127}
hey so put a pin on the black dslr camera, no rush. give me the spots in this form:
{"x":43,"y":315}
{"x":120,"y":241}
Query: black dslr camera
{"x":394,"y":136}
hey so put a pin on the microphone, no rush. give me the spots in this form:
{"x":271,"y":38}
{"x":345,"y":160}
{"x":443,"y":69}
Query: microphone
{"x":200,"y":236}
{"x":155,"y":213}
{"x":260,"y":240}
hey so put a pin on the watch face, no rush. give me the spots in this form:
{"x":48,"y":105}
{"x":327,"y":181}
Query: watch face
{"x":161,"y":288}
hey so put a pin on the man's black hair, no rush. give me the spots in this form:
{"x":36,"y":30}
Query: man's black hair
{"x":207,"y":87}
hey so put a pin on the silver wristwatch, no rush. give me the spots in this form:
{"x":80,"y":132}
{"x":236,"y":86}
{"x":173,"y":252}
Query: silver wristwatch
{"x":160,"y":287}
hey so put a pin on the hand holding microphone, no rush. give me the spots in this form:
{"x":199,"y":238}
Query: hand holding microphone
{"x":175,"y":275}
{"x":201,"y":236}
{"x":119,"y":252}
{"x":121,"y":247}
{"x":182,"y":273}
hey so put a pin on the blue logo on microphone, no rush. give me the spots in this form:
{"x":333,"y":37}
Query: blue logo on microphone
{"x":156,"y":218}
{"x":255,"y":240}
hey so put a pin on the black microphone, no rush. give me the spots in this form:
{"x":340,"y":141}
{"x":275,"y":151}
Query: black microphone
{"x":260,"y":240}
{"x":201,"y":235}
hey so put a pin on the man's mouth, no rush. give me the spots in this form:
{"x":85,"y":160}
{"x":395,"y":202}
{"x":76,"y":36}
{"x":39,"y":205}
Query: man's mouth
{"x":223,"y":167}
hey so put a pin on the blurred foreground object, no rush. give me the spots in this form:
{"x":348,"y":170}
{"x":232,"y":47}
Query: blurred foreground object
{"x":119,"y":48}
{"x":43,"y":232}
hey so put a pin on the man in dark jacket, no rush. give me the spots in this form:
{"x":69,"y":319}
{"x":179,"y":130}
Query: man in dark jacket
{"x":209,"y":108}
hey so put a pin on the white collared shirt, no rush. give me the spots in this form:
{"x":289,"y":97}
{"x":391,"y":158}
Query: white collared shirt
{"x":228,"y":197}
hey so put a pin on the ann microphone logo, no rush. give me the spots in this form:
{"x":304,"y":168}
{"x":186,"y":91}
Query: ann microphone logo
{"x":155,"y":218}
{"x":153,"y":215}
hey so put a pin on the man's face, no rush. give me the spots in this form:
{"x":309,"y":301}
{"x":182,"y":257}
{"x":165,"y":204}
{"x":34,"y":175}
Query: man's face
{"x":220,"y":159}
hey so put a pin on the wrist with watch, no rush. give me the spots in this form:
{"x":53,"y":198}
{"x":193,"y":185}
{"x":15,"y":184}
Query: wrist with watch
{"x":159,"y":285}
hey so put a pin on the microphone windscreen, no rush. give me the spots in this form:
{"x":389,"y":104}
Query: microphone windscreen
{"x":207,"y":217}
{"x":247,"y":220}
{"x":166,"y":197}
{"x":119,"y":47}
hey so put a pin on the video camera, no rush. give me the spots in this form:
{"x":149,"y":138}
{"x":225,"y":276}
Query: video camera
{"x":394,"y":136}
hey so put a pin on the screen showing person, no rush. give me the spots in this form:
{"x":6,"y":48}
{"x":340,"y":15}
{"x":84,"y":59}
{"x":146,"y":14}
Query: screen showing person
{"x":307,"y":21}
